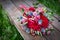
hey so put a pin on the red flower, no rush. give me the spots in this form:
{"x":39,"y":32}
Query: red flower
{"x":32,"y":9}
{"x":45,"y":21}
{"x":33,"y":25}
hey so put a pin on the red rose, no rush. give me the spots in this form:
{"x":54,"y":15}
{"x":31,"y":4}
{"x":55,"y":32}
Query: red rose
{"x":45,"y":21}
{"x":33,"y":25}
{"x":32,"y":9}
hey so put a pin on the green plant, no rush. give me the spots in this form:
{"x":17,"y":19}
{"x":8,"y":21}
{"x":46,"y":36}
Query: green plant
{"x":54,"y":5}
{"x":7,"y":30}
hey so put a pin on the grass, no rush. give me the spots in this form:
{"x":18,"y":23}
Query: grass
{"x":54,"y":5}
{"x":7,"y":30}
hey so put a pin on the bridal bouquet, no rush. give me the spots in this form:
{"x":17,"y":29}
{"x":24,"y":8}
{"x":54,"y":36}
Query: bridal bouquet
{"x":35,"y":21}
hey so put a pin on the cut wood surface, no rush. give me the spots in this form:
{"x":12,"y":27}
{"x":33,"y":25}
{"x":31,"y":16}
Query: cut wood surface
{"x":11,"y":6}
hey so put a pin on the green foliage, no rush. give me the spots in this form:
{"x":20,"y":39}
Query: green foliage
{"x":7,"y":30}
{"x":52,"y":4}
